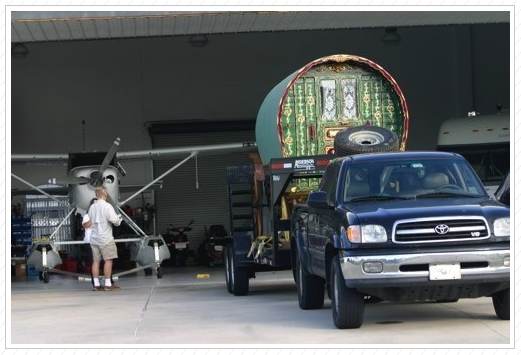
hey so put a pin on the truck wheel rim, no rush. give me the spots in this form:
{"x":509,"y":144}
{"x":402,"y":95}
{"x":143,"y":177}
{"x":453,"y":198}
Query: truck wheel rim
{"x":366,"y":138}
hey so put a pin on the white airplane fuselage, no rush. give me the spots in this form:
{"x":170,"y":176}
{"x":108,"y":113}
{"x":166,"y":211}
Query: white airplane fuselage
{"x":81,"y":194}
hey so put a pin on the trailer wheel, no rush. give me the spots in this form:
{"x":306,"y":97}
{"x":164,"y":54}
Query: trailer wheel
{"x":45,"y":277}
{"x":227,"y":268}
{"x":239,"y":275}
{"x":347,"y":304}
{"x":310,"y":288}
{"x":501,"y":302}
{"x":365,"y":139}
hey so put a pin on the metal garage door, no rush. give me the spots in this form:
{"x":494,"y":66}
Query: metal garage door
{"x":179,"y":200}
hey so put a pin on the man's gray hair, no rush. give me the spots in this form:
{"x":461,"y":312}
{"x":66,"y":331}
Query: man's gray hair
{"x":101,"y":192}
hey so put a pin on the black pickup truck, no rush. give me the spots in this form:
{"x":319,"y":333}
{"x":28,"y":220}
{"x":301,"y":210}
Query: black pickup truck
{"x":405,"y":226}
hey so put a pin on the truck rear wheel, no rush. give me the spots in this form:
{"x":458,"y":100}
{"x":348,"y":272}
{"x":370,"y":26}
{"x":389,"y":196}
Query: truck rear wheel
{"x":501,"y":302}
{"x":365,"y":139}
{"x":310,"y":288}
{"x":347,"y":304}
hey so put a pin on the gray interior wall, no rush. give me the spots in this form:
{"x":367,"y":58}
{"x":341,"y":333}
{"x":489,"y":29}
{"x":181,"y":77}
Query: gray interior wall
{"x":117,"y":86}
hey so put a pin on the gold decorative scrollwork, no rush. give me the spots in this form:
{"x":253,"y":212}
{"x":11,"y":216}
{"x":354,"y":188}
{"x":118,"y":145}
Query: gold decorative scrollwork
{"x":337,"y":67}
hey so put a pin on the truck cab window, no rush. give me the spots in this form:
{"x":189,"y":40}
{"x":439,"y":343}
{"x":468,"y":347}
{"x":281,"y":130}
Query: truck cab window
{"x":329,"y":181}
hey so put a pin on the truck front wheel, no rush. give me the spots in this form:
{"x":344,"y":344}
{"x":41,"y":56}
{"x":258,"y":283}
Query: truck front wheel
{"x":501,"y":302}
{"x":310,"y":288}
{"x":347,"y":303}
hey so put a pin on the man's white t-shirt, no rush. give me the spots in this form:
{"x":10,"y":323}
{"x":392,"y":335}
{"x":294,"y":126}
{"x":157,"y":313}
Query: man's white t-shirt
{"x":102,"y":216}
{"x":88,"y":231}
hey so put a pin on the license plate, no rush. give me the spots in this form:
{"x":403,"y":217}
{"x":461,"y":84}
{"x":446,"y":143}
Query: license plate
{"x":180,"y":245}
{"x":445,"y":271}
{"x":218,"y":247}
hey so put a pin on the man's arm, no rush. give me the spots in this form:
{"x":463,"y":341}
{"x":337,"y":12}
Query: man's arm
{"x":111,"y":215}
{"x":86,"y":223}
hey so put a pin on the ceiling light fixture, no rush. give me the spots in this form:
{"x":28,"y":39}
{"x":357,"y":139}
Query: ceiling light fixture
{"x":19,"y":50}
{"x":198,"y":40}
{"x":391,"y":36}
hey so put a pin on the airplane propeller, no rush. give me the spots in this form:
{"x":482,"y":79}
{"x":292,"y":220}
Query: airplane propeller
{"x":96,"y":177}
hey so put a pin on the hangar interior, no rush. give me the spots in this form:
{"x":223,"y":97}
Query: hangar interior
{"x":162,"y":79}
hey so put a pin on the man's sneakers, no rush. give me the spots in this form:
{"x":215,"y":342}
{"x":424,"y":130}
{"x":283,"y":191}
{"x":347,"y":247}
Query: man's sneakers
{"x":112,"y":287}
{"x":97,"y":288}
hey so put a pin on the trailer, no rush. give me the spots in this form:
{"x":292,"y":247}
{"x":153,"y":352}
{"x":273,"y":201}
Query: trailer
{"x":336,"y":103}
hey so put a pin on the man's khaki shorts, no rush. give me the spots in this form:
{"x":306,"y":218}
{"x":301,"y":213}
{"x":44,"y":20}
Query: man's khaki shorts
{"x":106,"y":252}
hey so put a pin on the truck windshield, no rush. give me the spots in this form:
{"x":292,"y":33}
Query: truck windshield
{"x":407,"y":179}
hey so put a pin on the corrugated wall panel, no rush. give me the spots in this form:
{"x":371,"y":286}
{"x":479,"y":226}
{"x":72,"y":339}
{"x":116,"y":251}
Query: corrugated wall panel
{"x":179,"y":200}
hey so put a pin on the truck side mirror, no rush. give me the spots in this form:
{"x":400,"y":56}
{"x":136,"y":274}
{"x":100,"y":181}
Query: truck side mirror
{"x":318,"y":199}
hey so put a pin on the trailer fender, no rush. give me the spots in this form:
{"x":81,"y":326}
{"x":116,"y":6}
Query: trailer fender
{"x":242,"y":244}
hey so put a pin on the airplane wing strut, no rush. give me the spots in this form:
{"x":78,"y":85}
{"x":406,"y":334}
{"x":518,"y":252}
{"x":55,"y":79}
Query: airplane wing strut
{"x":39,"y":190}
{"x":159,"y":178}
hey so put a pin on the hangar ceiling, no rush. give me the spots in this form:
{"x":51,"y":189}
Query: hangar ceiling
{"x":44,"y":26}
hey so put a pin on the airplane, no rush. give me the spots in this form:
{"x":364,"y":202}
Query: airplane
{"x":88,"y":170}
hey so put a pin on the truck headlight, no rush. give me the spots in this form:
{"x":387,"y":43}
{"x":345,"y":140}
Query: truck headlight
{"x":369,"y":233}
{"x":373,"y":233}
{"x":502,"y":227}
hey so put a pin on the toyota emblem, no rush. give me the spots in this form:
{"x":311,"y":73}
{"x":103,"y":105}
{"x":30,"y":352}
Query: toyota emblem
{"x":441,"y":229}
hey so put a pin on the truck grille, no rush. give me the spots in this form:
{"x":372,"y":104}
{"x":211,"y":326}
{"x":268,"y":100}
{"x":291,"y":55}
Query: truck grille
{"x":440,"y":229}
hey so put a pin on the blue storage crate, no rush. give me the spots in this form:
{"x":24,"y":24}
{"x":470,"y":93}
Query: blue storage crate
{"x":21,"y":220}
{"x":21,"y":234}
{"x":31,"y":271}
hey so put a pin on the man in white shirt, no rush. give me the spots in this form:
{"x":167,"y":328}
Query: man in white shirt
{"x":102,"y":216}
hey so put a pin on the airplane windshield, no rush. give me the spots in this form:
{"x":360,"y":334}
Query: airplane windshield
{"x":409,"y":179}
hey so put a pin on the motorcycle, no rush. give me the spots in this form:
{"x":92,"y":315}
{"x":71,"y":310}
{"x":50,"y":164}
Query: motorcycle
{"x":211,"y":250}
{"x":180,"y":246}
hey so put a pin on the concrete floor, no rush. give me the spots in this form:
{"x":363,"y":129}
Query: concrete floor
{"x":181,"y":309}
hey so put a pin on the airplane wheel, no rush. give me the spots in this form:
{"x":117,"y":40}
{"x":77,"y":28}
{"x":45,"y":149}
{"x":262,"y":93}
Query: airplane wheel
{"x":159,"y":272}
{"x":40,"y":276}
{"x":148,"y":271}
{"x":45,"y":277}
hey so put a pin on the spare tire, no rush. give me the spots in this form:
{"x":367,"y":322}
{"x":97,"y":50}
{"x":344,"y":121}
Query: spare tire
{"x":365,"y":139}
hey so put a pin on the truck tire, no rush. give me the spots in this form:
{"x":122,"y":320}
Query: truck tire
{"x":239,"y":276}
{"x":365,"y":139}
{"x":347,"y":304}
{"x":227,"y":271}
{"x":501,"y":302}
{"x":310,"y":288}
